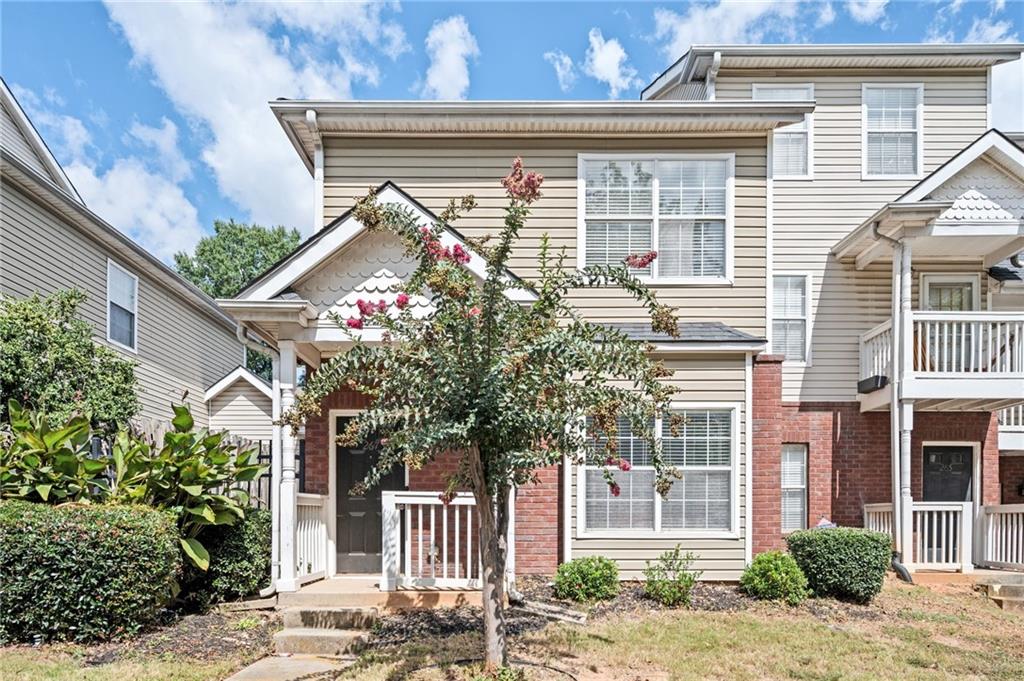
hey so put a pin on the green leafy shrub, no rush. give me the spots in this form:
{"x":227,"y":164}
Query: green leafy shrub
{"x":843,"y":562}
{"x":83,"y":572}
{"x":669,"y":580}
{"x":48,"y":359}
{"x":239,"y":561}
{"x":593,"y":578}
{"x":775,"y":576}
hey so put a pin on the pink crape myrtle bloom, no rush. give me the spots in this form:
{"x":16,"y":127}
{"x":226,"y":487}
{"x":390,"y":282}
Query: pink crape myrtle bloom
{"x":474,"y":311}
{"x":625,"y":465}
{"x":520,"y":185}
{"x":354,"y":323}
{"x":615,"y":489}
{"x":402,"y":301}
{"x":641,"y":261}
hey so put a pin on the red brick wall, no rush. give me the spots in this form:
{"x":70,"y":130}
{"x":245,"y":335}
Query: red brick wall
{"x":1011,"y":477}
{"x":848,"y":453}
{"x":537,"y":505}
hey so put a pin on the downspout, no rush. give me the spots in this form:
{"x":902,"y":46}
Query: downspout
{"x":712,"y":76}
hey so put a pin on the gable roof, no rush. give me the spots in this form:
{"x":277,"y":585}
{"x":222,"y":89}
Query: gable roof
{"x":239,"y":373}
{"x":1004,"y":151}
{"x":34,"y":141}
{"x":315,"y":250}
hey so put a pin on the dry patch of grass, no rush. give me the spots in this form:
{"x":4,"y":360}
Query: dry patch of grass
{"x":908,"y":633}
{"x":67,"y":663}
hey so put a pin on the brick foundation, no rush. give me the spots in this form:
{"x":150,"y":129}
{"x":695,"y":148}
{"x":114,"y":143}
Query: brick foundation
{"x":537,"y":507}
{"x":1011,"y":479}
{"x":848,"y":453}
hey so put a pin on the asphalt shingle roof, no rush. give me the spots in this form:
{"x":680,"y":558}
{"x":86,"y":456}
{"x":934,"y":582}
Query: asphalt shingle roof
{"x":689,"y":332}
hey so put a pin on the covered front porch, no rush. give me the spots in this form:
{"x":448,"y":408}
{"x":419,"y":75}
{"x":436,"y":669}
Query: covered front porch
{"x":943,"y":351}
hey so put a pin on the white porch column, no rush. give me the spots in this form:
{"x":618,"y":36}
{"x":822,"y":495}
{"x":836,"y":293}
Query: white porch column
{"x":906,"y":408}
{"x":275,"y":471}
{"x":288,"y":490}
{"x":895,"y":379}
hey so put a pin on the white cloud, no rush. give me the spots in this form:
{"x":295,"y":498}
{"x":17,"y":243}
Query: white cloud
{"x":66,"y":136}
{"x":989,"y":30}
{"x":743,"y":22}
{"x":164,"y":141}
{"x":565,"y":70}
{"x":219,"y":64}
{"x":866,"y":11}
{"x":606,"y":61}
{"x":826,"y":15}
{"x":148,"y":207}
{"x":450,"y":45}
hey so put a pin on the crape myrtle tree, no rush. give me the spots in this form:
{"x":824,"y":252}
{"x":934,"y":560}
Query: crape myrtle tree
{"x":505,"y":386}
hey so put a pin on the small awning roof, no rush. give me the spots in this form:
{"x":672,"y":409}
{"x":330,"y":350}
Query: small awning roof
{"x":692,"y":336}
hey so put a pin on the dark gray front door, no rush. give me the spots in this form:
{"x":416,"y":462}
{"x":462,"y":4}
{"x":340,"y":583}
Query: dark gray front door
{"x":359,"y":517}
{"x":947,"y":473}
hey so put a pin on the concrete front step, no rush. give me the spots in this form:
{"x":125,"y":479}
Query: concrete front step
{"x":312,"y":641}
{"x":1009,"y":603}
{"x":1006,"y":590}
{"x":1002,"y":578}
{"x":329,"y":618}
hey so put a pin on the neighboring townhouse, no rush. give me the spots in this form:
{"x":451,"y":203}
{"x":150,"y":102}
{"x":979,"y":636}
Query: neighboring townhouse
{"x":180,"y":341}
{"x":775,"y":184}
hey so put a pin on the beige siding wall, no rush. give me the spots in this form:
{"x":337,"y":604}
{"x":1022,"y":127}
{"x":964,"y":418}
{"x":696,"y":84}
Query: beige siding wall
{"x":433,"y":171}
{"x":15,"y":141}
{"x":704,"y":379}
{"x":243,"y":411}
{"x":179,"y":347}
{"x":810,"y":216}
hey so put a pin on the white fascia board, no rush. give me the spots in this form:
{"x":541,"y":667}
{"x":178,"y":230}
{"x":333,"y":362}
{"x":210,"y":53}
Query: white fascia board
{"x":987,"y":142}
{"x":239,"y":374}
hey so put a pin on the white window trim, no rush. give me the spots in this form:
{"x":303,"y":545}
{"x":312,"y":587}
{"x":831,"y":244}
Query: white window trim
{"x":808,"y":121}
{"x":927,"y":278}
{"x":804,"y":487}
{"x":730,"y":212}
{"x":919,"y":174}
{"x":135,"y":311}
{"x":808,"y":282}
{"x":736,"y":408}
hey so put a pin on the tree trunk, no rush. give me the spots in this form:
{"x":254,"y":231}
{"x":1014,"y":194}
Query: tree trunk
{"x":493,"y":526}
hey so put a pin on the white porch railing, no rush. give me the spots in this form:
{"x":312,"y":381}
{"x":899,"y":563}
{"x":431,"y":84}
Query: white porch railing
{"x":876,"y":351}
{"x":310,"y":537}
{"x":428,"y":543}
{"x":878,"y":517}
{"x":1003,"y":536}
{"x":943,"y":533}
{"x":968,"y":342}
{"x":1012,"y":418}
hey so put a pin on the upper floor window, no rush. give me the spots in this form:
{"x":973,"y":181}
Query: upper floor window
{"x":122,"y":306}
{"x":892,"y":130}
{"x":790,"y":314}
{"x":680,"y":206}
{"x":792,"y":145}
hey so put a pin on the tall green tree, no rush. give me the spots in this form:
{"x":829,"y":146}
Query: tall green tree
{"x":232,"y":257}
{"x":507,"y":386}
{"x":48,"y":360}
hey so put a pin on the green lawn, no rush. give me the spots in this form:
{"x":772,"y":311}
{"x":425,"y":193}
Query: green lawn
{"x":66,"y":664}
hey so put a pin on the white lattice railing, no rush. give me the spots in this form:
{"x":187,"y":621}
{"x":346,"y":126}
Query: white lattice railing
{"x":969,"y":343}
{"x":310,"y":537}
{"x":1002,"y":532}
{"x":878,"y":517}
{"x":428,"y":543}
{"x":1012,"y":418}
{"x":876,"y":351}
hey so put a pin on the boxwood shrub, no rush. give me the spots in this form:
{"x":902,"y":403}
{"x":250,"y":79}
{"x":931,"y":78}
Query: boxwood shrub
{"x":239,"y":561}
{"x":80,"y":572}
{"x":593,"y":578}
{"x":843,"y":562}
{"x":774,"y":576}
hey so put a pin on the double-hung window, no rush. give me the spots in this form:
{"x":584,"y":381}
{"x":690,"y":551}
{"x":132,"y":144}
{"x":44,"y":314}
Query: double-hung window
{"x":680,"y":206}
{"x":892,"y":130}
{"x":122,"y":306}
{"x":790,"y":314}
{"x":794,"y":487}
{"x":703,"y":448}
{"x":792,"y":145}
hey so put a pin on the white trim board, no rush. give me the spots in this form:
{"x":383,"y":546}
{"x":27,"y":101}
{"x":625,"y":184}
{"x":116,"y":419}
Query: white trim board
{"x":238,"y":374}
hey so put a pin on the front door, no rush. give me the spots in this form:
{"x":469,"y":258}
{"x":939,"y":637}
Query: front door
{"x":358,"y":524}
{"x":947,"y":473}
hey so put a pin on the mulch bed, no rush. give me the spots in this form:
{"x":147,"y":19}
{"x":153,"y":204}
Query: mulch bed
{"x":394,"y":630}
{"x":203,"y":637}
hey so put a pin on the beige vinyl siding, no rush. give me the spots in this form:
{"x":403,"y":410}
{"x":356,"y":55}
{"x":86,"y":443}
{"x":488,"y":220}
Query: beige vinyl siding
{"x":433,"y":171}
{"x":243,"y":411}
{"x":810,"y":216}
{"x":14,"y":140}
{"x":179,"y":348}
{"x":704,"y":379}
{"x":1008,"y":301}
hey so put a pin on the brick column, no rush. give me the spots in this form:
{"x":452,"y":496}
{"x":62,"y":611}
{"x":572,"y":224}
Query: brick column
{"x":766,"y":525}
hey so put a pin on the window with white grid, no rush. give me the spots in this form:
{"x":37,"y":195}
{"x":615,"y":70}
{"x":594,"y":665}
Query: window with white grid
{"x":892,"y":130}
{"x":794,"y":487}
{"x":789,"y":316}
{"x":702,"y":447}
{"x":677,"y":206}
{"x":791,"y":144}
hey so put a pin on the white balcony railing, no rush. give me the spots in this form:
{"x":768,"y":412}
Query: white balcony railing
{"x":428,"y":543}
{"x":1012,"y":419}
{"x":310,"y":537}
{"x":876,"y":351}
{"x":1002,"y":534}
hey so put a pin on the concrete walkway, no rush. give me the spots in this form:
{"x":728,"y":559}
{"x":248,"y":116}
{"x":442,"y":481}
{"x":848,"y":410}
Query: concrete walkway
{"x":290,"y":667}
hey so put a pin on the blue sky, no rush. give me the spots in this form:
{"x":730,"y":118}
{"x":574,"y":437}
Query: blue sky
{"x":158,"y":110}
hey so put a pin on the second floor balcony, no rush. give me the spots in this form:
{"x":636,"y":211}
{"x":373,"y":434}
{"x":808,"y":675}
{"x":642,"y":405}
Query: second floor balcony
{"x":959,"y":361}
